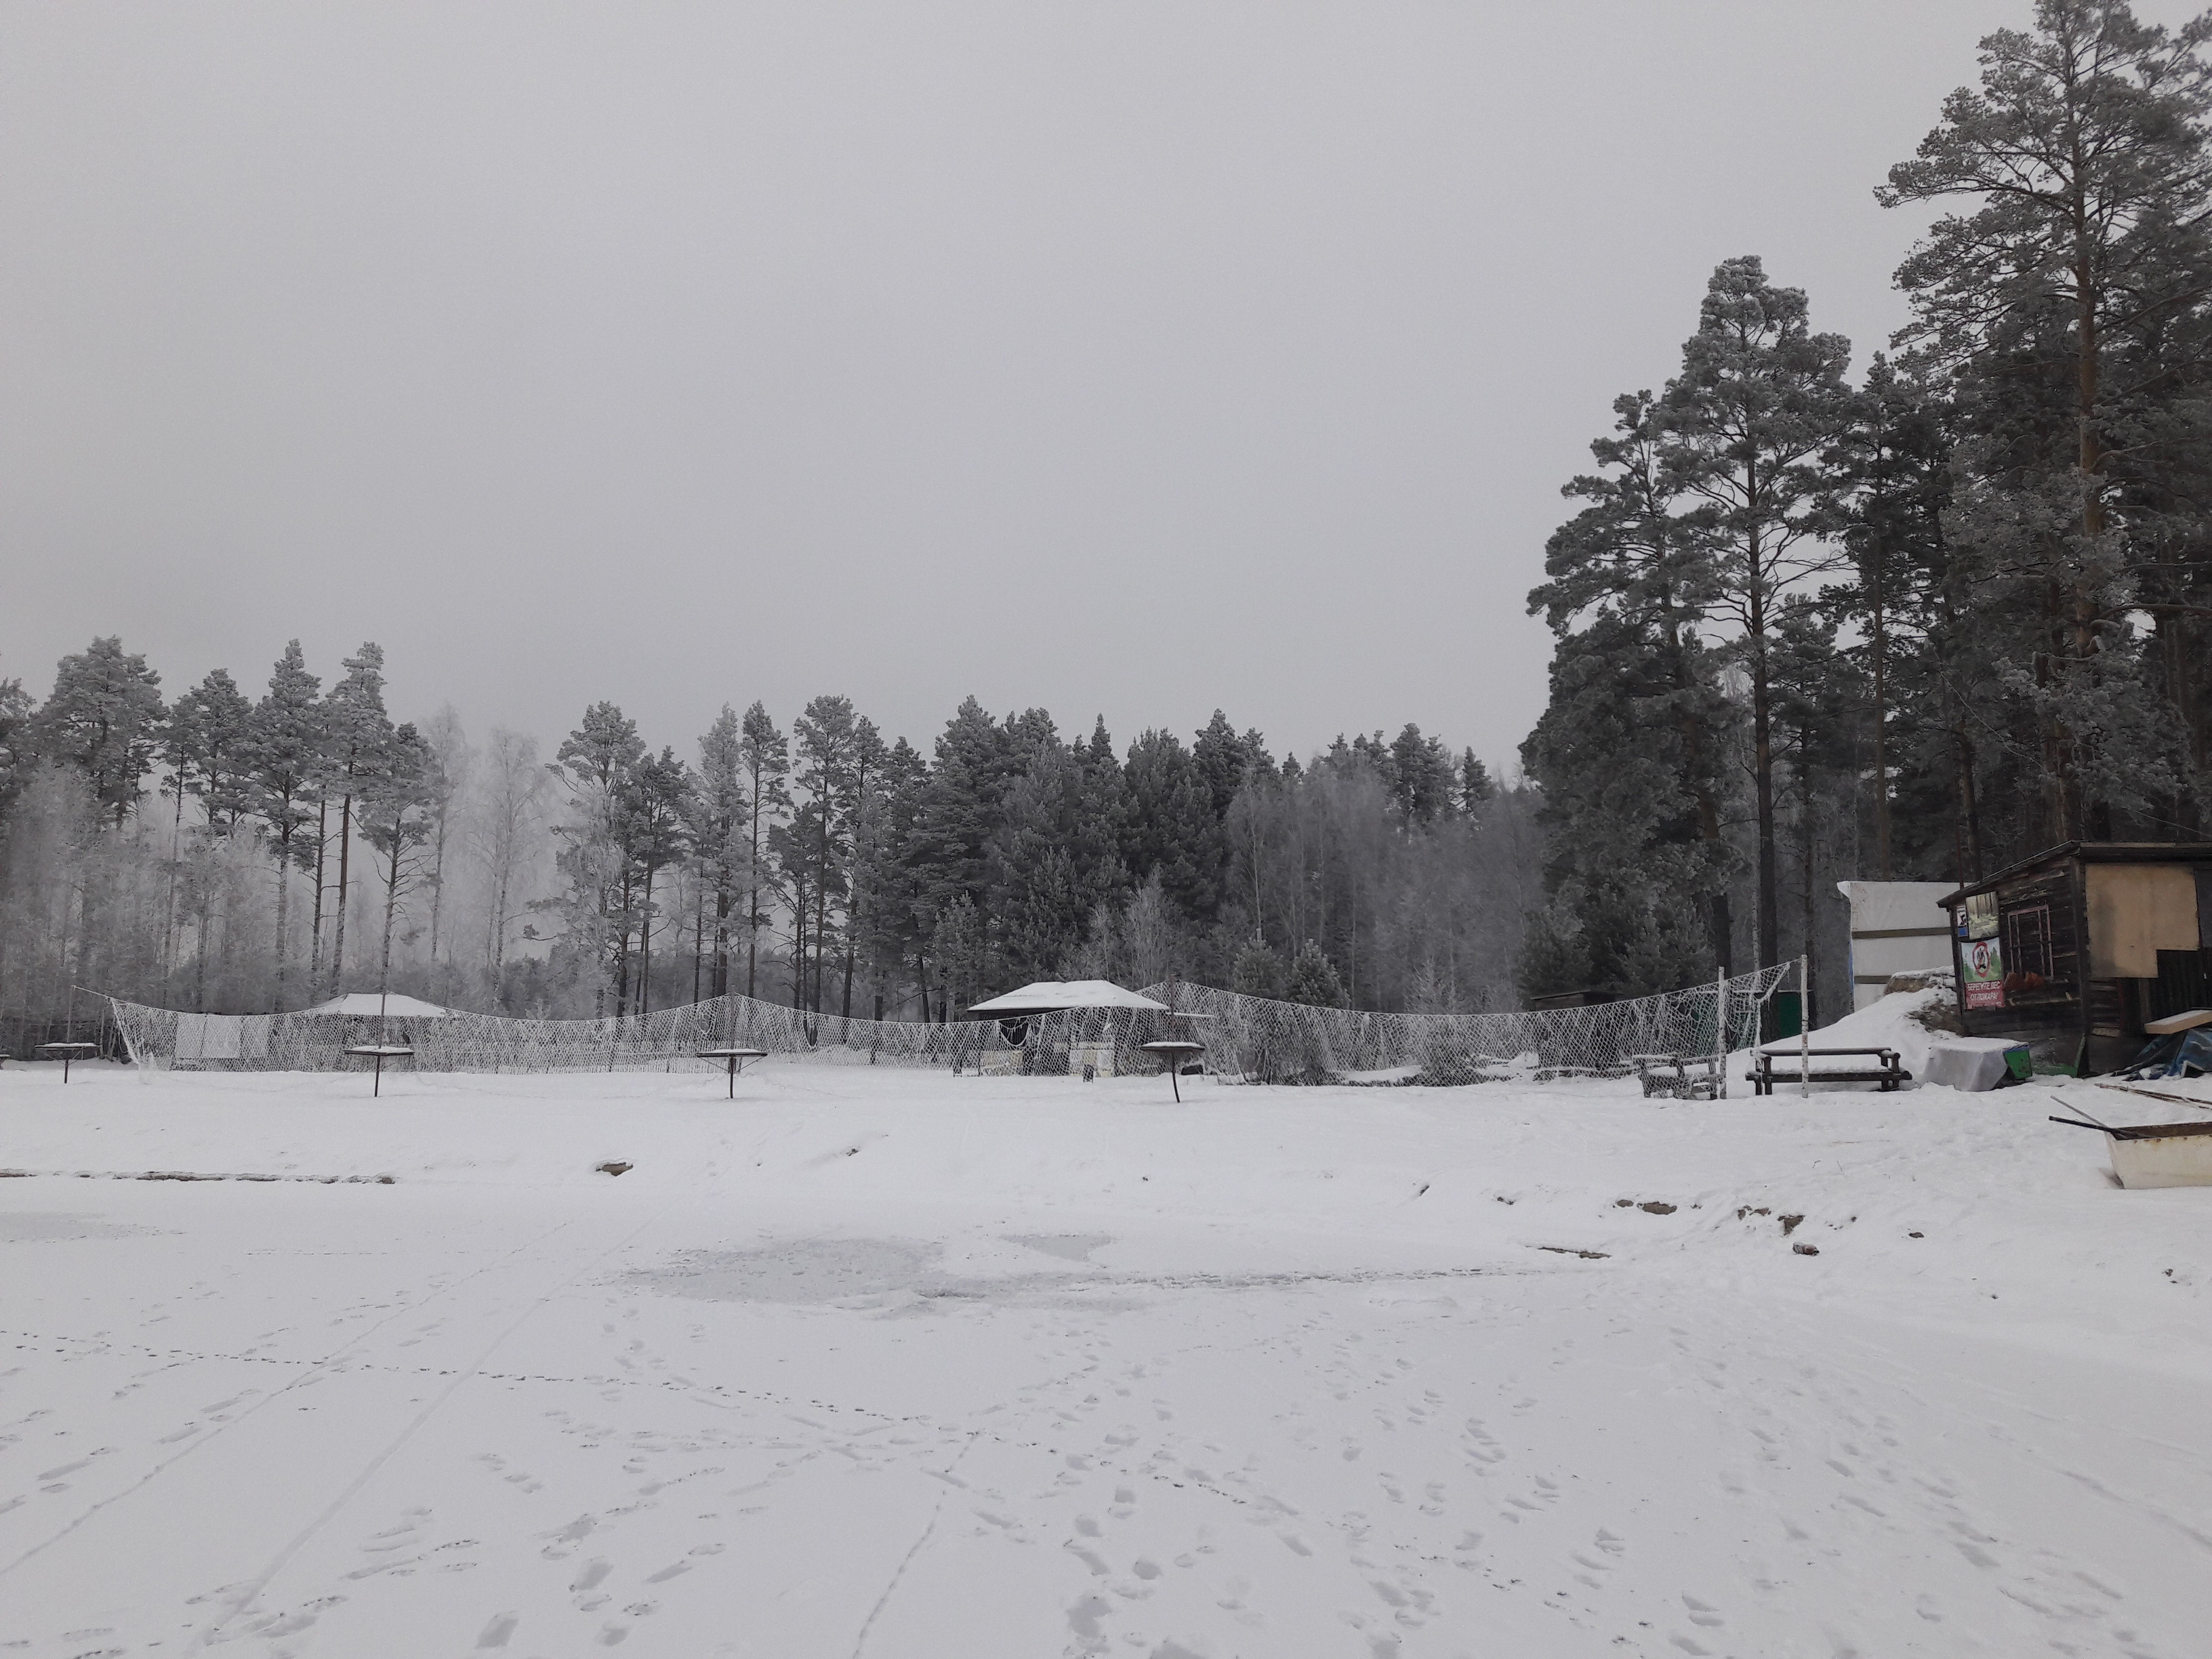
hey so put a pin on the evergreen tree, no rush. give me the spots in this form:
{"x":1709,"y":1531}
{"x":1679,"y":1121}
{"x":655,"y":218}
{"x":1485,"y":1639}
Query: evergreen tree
{"x":396,"y":786}
{"x":1759,"y":405}
{"x":2068,"y":303}
{"x":656,"y":807}
{"x":596,"y":761}
{"x":284,"y":761}
{"x":356,"y":728}
{"x":1473,"y":784}
{"x":765,"y":755}
{"x":826,"y":740}
{"x":1313,"y":980}
{"x":104,"y":721}
{"x":1260,"y":971}
{"x":1420,"y":776}
{"x":723,"y":816}
{"x":1629,"y":752}
{"x":202,"y":746}
{"x":1173,"y":831}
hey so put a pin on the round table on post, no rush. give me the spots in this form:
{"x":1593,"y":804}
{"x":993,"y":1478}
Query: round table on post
{"x":379,"y":1052}
{"x":69,"y":1051}
{"x":737,"y":1058}
{"x":1174,"y":1051}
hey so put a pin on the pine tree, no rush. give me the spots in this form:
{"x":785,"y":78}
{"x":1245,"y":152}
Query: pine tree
{"x":656,"y":805}
{"x":1313,"y":980}
{"x":1760,"y":403}
{"x":396,"y":786}
{"x":285,"y":759}
{"x":1173,"y":830}
{"x":723,"y":810}
{"x":202,"y":746}
{"x":356,"y":729}
{"x":596,"y":760}
{"x":2068,"y":304}
{"x":1629,"y":751}
{"x":1472,"y":786}
{"x":765,"y":755}
{"x":103,"y":721}
{"x":824,"y":740}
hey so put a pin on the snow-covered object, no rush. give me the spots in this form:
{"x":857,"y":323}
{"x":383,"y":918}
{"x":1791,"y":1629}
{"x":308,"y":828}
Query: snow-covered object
{"x":1895,"y":1022}
{"x":367,"y":1005}
{"x":1047,"y":996}
{"x":2164,"y":1155}
{"x":1974,"y":1064}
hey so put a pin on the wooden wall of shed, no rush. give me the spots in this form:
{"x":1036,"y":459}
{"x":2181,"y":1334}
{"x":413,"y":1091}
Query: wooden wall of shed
{"x":2136,"y":911}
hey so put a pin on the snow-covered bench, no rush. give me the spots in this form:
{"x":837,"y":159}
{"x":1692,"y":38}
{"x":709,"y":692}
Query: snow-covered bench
{"x":1679,"y":1077}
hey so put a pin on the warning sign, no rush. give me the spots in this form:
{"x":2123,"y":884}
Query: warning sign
{"x":1983,"y":975}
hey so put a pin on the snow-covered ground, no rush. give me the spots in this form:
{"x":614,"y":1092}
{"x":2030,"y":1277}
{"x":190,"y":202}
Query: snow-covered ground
{"x":903,"y":1365}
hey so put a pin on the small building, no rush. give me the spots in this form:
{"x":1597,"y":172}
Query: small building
{"x":1894,"y":931}
{"x":2074,"y":949}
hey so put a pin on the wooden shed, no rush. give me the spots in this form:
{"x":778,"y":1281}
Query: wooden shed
{"x":2075,"y":948}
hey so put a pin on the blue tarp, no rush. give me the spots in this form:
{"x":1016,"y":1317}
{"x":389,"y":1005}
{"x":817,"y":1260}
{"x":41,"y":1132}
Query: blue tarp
{"x":2184,"y":1053}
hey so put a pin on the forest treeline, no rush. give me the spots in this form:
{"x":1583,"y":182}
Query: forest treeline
{"x":1911,"y":625}
{"x":235,"y":850}
{"x":1924,"y":624}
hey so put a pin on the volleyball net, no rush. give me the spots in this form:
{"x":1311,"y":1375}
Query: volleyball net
{"x":1251,"y":1039}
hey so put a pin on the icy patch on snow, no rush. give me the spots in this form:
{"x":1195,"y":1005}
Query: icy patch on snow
{"x":43,"y":1227}
{"x":805,"y":1273}
{"x":1069,"y":1247}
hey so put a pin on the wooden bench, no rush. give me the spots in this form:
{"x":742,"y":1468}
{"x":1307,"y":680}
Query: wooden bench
{"x":1889,"y":1072}
{"x":1679,"y":1077}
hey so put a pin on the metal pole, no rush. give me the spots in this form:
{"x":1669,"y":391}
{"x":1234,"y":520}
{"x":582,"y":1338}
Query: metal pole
{"x":1804,"y":1026}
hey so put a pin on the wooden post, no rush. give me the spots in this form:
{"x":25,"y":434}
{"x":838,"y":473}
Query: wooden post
{"x":1804,"y":1026}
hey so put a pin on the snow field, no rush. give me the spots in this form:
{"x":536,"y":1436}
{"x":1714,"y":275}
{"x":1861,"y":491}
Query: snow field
{"x":882,"y":1363}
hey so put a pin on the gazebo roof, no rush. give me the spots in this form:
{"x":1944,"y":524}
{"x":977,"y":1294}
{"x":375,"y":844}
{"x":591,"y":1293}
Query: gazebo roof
{"x":366,"y":1004}
{"x":1050,"y":995}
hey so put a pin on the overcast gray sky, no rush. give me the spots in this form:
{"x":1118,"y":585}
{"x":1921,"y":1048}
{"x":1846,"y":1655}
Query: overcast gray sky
{"x":1128,"y":358}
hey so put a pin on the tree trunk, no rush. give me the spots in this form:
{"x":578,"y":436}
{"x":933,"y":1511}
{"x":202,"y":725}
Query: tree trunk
{"x":645,"y":947}
{"x":1762,"y":742}
{"x":345,"y":866}
{"x":283,"y":912}
{"x":1880,"y":642}
{"x":315,"y":929}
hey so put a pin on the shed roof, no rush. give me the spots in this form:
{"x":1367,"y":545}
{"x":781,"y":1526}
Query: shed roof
{"x":2091,"y":851}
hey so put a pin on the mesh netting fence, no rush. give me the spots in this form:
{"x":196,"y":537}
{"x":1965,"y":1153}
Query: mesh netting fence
{"x":1268,"y":1041}
{"x":1249,"y":1038}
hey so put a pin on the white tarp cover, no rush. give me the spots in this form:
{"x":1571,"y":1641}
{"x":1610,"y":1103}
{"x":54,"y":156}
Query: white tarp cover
{"x":1897,"y":928}
{"x":1974,"y":1064}
{"x":1048,"y":995}
{"x":362,"y":1005}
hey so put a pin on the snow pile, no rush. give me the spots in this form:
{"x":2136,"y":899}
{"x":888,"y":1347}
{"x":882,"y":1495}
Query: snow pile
{"x":1898,"y":1021}
{"x":893,"y":1363}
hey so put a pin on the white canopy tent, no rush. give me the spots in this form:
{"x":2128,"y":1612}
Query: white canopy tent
{"x":1052,"y":996}
{"x":367,"y":1005}
{"x":1094,"y":1042}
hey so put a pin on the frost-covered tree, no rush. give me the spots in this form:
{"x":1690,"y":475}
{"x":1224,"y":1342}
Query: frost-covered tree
{"x":104,"y":721}
{"x":285,"y":759}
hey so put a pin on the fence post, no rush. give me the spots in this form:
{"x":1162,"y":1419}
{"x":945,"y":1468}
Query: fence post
{"x":1804,"y":1027}
{"x":1720,"y":1030}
